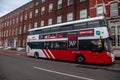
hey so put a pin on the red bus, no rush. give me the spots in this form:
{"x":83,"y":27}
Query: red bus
{"x":83,"y":41}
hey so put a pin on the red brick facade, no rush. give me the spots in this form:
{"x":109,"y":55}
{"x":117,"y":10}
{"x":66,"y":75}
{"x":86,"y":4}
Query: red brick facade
{"x":14,"y":25}
{"x":13,"y":33}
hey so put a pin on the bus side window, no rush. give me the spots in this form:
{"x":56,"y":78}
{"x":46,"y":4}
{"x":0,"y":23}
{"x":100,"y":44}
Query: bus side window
{"x":84,"y":44}
{"x":46,"y":45}
{"x":63,"y":45}
{"x":93,"y":24}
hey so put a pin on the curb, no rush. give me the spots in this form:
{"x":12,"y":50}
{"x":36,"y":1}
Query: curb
{"x":14,"y":52}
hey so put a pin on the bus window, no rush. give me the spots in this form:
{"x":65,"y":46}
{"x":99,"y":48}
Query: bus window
{"x":102,"y":23}
{"x":80,"y":26}
{"x":55,"y":29}
{"x":84,"y":44}
{"x":38,"y":32}
{"x":93,"y":24}
{"x":30,"y":32}
{"x":67,"y":27}
{"x":55,"y":45}
{"x":47,"y":30}
{"x":35,"y":45}
{"x":46,"y":45}
{"x":63,"y":45}
{"x":97,"y":45}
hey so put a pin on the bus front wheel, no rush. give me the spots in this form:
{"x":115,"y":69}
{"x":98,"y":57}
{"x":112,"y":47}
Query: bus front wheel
{"x":80,"y":59}
{"x":36,"y":55}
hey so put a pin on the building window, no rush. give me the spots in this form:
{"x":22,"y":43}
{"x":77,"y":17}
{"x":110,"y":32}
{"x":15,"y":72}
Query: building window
{"x":83,"y":14}
{"x":10,"y":22}
{"x":59,"y":4}
{"x":69,"y":16}
{"x":20,"y":30}
{"x":118,"y":29}
{"x":21,"y":18}
{"x":50,"y":7}
{"x":25,"y":16}
{"x":35,"y":25}
{"x":113,"y":30}
{"x":82,"y":0}
{"x":36,"y":12}
{"x":13,"y":31}
{"x":30,"y":26}
{"x":42,"y":10}
{"x":119,"y":40}
{"x":113,"y":41}
{"x":24,"y":29}
{"x":13,"y":21}
{"x":16,"y":32}
{"x":42,"y":23}
{"x":17,"y":20}
{"x":59,"y":19}
{"x":50,"y":21}
{"x":114,"y":9}
{"x":99,"y":11}
{"x":30,"y":15}
{"x":70,"y":2}
{"x":37,"y":3}
{"x":43,"y":1}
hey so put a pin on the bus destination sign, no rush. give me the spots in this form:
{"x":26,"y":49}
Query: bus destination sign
{"x":89,"y":32}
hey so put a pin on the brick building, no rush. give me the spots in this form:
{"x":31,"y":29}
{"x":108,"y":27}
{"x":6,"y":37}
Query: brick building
{"x":111,"y":10}
{"x":39,"y":13}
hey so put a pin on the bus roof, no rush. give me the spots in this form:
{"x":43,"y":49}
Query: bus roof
{"x":68,"y":23}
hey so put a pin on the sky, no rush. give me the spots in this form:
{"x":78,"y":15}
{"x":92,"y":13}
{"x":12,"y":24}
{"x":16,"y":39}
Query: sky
{"x":7,"y":6}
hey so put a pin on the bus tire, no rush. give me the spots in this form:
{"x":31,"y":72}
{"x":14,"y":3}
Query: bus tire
{"x":36,"y":55}
{"x":80,"y":59}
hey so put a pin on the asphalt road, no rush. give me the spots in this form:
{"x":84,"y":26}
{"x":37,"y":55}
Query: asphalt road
{"x":13,"y":67}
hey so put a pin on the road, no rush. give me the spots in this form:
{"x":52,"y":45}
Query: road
{"x":14,"y":67}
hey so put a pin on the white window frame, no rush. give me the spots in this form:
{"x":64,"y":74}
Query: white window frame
{"x":21,"y":18}
{"x":59,"y":4}
{"x":35,"y":25}
{"x":26,"y":16}
{"x":30,"y":26}
{"x":43,"y":10}
{"x":69,"y":2}
{"x":50,"y":7}
{"x":50,"y":21}
{"x":82,"y":0}
{"x":59,"y":19}
{"x":36,"y":12}
{"x":43,"y":1}
{"x":70,"y":17}
{"x":30,"y":16}
{"x":42,"y":23}
{"x":99,"y":11}
{"x":83,"y":14}
{"x":114,"y":9}
{"x":24,"y":29}
{"x":20,"y":31}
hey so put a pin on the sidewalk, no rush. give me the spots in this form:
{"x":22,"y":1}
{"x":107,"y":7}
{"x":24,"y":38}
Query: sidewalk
{"x":117,"y":53}
{"x":14,"y":52}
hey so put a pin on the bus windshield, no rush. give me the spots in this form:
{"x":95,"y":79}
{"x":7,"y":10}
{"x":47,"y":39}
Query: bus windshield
{"x":97,"y":45}
{"x":108,"y":44}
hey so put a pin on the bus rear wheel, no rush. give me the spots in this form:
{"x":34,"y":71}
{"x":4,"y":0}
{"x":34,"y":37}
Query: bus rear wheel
{"x":36,"y":55}
{"x":80,"y":59}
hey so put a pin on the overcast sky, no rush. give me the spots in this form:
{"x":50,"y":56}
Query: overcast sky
{"x":7,"y":6}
